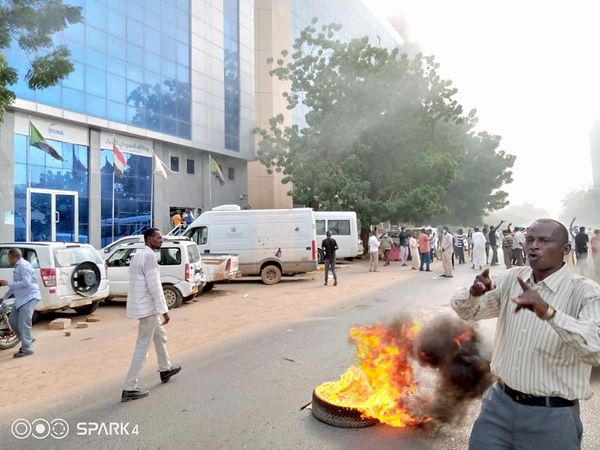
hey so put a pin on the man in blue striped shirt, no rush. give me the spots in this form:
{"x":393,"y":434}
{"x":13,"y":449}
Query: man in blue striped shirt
{"x":27,"y":295}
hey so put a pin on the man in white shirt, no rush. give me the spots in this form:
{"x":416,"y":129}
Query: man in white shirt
{"x":547,"y":339}
{"x":518,"y":246}
{"x":373,"y":252}
{"x":146,"y":302}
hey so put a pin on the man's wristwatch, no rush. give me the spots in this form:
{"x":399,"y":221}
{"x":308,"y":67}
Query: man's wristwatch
{"x":550,"y":312}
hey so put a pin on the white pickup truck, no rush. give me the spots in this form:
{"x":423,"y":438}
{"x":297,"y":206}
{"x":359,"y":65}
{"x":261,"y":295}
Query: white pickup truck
{"x":215,"y":267}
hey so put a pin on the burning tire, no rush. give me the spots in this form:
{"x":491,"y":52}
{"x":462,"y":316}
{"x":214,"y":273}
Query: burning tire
{"x":339,"y":416}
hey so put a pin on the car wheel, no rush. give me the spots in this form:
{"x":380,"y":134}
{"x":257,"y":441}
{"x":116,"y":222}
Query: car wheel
{"x":35,"y":317}
{"x":208,"y":287}
{"x":270,"y":274}
{"x":87,"y":309}
{"x":172,"y":296}
{"x":339,"y":416}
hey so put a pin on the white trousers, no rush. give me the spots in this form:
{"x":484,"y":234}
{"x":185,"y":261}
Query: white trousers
{"x":149,"y":330}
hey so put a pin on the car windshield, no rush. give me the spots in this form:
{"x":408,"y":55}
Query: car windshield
{"x":71,"y":256}
{"x":194,"y":253}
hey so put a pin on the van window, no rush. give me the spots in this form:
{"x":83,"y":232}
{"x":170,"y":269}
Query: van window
{"x":194,"y":253}
{"x":29,"y":254}
{"x":71,"y":256}
{"x":320,"y":227}
{"x":199,"y":235}
{"x":170,"y":257}
{"x":339,"y":227}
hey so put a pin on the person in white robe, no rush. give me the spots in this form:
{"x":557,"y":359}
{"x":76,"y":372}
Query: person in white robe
{"x":478,"y":249}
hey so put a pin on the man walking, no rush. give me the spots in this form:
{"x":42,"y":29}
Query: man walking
{"x":373,"y":252}
{"x":447,"y":248}
{"x":547,"y":340}
{"x":424,"y":252}
{"x":27,"y":295}
{"x":329,"y":247}
{"x":146,"y":302}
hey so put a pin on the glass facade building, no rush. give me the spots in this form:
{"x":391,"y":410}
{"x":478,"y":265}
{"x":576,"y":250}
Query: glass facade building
{"x":132,"y":65}
{"x":231,"y":73}
{"x":49,"y":191}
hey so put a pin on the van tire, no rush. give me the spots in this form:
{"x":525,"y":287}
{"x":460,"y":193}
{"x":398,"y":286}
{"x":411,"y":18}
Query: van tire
{"x":172,"y":296}
{"x":320,"y":256}
{"x":208,"y":287}
{"x":35,"y":317}
{"x":87,"y":309}
{"x":270,"y":274}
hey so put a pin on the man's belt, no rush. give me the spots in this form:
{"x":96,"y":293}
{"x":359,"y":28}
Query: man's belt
{"x":535,"y":400}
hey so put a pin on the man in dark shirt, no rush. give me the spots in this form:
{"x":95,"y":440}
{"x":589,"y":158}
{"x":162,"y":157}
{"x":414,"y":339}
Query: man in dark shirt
{"x":493,"y":241}
{"x":581,"y":250}
{"x":329,"y":246}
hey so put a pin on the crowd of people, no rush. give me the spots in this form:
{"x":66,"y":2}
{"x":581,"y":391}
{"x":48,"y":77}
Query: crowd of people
{"x":479,"y":246}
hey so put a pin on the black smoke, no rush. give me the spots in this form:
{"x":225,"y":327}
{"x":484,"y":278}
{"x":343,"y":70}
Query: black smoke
{"x":453,"y":349}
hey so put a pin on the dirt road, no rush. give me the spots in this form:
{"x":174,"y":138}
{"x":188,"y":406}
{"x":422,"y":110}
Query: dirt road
{"x":68,"y":367}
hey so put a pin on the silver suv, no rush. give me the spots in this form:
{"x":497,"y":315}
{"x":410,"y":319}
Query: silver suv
{"x":70,"y":275}
{"x":180,"y":269}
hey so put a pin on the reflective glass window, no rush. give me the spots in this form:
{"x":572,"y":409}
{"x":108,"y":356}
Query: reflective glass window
{"x":231,"y":74}
{"x":126,"y":39}
{"x":190,"y":166}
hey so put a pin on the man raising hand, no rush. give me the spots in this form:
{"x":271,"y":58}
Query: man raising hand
{"x":543,"y":349}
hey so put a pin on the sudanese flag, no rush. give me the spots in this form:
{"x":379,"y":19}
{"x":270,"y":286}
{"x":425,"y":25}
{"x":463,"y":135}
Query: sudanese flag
{"x":38,"y":141}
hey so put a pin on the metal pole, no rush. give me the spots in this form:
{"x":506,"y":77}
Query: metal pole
{"x":113,"y":202}
{"x":209,"y":184}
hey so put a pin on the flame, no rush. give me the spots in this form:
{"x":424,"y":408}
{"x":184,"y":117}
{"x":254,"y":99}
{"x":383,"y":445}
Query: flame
{"x":381,"y":383}
{"x":465,"y":336}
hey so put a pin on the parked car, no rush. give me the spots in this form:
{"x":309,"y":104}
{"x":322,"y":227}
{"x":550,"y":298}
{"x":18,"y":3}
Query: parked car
{"x":70,"y":275}
{"x":180,"y":270}
{"x":269,"y":242}
{"x":344,"y":229}
{"x":215,"y":267}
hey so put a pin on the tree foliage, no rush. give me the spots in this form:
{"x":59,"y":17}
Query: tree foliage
{"x":30,"y":24}
{"x":383,"y":134}
{"x":582,"y":204}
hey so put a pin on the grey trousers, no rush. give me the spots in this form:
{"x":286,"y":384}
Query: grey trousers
{"x":20,"y":321}
{"x":149,"y":330}
{"x":330,"y":265}
{"x":504,"y":424}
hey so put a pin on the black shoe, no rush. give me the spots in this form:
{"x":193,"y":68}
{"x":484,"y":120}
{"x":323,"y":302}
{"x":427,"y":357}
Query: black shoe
{"x":335,"y":283}
{"x":21,"y":354}
{"x":133,"y":395}
{"x":166,"y":375}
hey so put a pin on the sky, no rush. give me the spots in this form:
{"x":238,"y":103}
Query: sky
{"x":532,"y":71}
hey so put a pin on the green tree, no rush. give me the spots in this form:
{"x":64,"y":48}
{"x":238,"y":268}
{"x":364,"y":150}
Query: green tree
{"x":582,"y":204}
{"x":383,"y":133}
{"x":31,"y":24}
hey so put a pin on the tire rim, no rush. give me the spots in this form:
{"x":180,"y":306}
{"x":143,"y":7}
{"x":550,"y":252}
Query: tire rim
{"x":271,"y":275}
{"x":170,"y":297}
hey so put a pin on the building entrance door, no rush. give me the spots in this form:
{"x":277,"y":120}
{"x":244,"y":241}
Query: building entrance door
{"x":52,"y":215}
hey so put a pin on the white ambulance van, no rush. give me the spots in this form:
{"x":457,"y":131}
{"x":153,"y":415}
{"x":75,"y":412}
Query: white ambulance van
{"x":269,"y":242}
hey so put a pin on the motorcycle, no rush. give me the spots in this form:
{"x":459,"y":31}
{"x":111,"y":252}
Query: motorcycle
{"x":8,"y":338}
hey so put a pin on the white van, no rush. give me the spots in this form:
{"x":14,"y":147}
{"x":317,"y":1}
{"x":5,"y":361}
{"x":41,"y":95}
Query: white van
{"x":344,"y":229}
{"x":269,"y":242}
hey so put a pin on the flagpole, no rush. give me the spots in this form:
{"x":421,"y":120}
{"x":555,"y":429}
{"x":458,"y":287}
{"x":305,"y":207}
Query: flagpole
{"x":113,"y":194}
{"x":209,"y":185}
